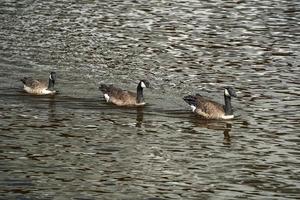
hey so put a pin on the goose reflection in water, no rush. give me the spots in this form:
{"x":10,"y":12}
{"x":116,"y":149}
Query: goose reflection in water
{"x":224,"y":126}
{"x":55,"y":117}
{"x":52,"y":110}
{"x":139,"y":117}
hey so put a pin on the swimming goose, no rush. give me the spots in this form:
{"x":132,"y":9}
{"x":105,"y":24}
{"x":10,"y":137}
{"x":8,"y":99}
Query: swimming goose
{"x":209,"y":109}
{"x":39,"y":87}
{"x":121,"y":97}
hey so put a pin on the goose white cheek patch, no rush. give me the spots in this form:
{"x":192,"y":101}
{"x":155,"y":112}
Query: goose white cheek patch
{"x":226,"y":92}
{"x":143,"y":85}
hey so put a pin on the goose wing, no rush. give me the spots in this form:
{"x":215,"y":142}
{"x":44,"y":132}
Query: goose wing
{"x":117,"y":95}
{"x":33,"y":83}
{"x":208,"y":106}
{"x":121,"y":94}
{"x":204,"y":106}
{"x":111,"y":90}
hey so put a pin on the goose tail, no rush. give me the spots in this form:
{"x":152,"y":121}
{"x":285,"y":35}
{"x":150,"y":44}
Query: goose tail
{"x":191,"y":100}
{"x":23,"y":80}
{"x":103,"y":87}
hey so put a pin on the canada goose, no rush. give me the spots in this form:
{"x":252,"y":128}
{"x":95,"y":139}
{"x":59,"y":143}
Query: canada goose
{"x":209,"y":109}
{"x":121,"y":97}
{"x":39,"y":87}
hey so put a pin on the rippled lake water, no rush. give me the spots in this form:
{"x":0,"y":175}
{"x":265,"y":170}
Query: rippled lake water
{"x":75,"y":146}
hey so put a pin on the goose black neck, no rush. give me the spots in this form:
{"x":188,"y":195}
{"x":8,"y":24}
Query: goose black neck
{"x":139,"y":94}
{"x":228,"y":108}
{"x":51,"y":84}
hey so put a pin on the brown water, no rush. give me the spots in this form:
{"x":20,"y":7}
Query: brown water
{"x":74,"y":146}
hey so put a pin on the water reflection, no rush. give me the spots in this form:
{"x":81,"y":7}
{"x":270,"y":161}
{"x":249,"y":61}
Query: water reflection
{"x":52,"y":117}
{"x":226,"y":134}
{"x":224,"y":126}
{"x":139,"y":116}
{"x":182,"y":47}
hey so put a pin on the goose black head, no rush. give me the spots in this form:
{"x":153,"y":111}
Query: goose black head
{"x":52,"y":76}
{"x":144,"y":84}
{"x":229,"y":91}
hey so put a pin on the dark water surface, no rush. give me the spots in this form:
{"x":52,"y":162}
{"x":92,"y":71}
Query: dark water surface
{"x":74,"y":146}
